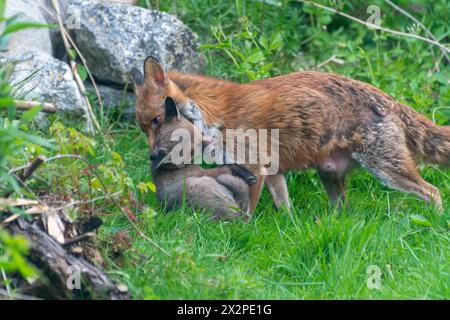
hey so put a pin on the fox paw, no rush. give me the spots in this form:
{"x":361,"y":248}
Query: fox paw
{"x":244,"y":174}
{"x":251,"y":180}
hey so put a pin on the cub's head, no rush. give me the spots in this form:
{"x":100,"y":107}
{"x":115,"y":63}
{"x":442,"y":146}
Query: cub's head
{"x":177,"y":140}
{"x":152,"y":88}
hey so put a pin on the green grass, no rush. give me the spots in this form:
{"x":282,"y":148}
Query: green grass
{"x":314,"y":252}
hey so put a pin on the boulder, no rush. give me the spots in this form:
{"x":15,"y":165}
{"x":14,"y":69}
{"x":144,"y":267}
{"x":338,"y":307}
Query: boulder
{"x":115,"y":38}
{"x":38,"y":76}
{"x":31,"y":39}
{"x":116,"y":99}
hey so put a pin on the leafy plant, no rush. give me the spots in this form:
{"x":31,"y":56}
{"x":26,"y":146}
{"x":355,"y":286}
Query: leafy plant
{"x":251,"y":54}
{"x":13,"y":141}
{"x":14,"y":251}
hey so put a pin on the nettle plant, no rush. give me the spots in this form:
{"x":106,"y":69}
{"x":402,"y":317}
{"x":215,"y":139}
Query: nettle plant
{"x":250,"y":53}
{"x":71,"y":173}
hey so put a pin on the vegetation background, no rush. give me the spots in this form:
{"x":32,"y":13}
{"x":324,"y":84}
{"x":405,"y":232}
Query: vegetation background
{"x":312,"y":253}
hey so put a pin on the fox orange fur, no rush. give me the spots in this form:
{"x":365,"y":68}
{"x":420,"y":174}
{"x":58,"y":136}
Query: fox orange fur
{"x":326,"y":121}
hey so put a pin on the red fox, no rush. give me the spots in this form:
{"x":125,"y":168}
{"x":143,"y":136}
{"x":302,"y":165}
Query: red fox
{"x":326,"y":121}
{"x":217,"y":190}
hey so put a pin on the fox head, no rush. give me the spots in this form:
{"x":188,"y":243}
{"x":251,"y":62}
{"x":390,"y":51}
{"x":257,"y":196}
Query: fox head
{"x":152,"y":88}
{"x":177,"y":139}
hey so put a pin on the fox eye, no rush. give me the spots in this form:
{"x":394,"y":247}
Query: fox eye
{"x":156,"y":121}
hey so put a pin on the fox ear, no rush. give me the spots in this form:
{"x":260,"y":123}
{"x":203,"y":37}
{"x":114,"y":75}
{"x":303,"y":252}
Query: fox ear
{"x":171,"y":109}
{"x":154,"y":75}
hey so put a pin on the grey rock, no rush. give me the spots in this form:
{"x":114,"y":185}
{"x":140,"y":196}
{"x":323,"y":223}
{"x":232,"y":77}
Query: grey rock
{"x":69,"y":18}
{"x":30,"y":39}
{"x":115,"y":38}
{"x":49,"y":14}
{"x":115,"y":99}
{"x":38,"y":76}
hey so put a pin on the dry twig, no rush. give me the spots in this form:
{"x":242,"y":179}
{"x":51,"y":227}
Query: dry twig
{"x":420,"y":24}
{"x":333,"y":58}
{"x":26,"y":105}
{"x":75,"y":47}
{"x":92,"y":120}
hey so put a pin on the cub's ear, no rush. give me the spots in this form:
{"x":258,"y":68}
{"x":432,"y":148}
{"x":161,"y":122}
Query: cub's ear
{"x":154,"y":75}
{"x":171,"y":109}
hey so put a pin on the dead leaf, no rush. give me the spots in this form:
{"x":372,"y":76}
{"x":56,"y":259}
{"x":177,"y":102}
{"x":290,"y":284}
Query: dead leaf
{"x":55,"y":226}
{"x":6,"y":203}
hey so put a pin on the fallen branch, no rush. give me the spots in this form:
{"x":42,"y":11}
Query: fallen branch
{"x":59,"y":266}
{"x":16,"y":216}
{"x":26,"y":105}
{"x":7,"y":203}
{"x":77,"y":239}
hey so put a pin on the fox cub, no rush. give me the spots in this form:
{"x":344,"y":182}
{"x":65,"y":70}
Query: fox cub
{"x":224,"y":190}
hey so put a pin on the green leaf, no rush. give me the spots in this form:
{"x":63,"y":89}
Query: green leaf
{"x":72,"y":54}
{"x":29,"y":115}
{"x":325,"y":19}
{"x":442,"y":78}
{"x":17,"y":26}
{"x":250,"y":74}
{"x":256,"y":57}
{"x":82,"y":72}
{"x":5,"y":102}
{"x":276,"y":41}
{"x":264,"y":42}
{"x":36,"y":140}
{"x":151,"y":186}
{"x":420,"y":220}
{"x":2,"y":8}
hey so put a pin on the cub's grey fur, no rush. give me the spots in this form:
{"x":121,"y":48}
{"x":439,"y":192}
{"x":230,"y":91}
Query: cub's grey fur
{"x":216,"y":190}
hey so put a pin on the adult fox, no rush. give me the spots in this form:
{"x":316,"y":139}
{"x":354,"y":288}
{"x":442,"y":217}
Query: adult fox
{"x":326,"y":121}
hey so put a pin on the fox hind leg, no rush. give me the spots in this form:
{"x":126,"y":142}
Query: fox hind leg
{"x":410,"y":181}
{"x":332,"y":172}
{"x":395,"y":167}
